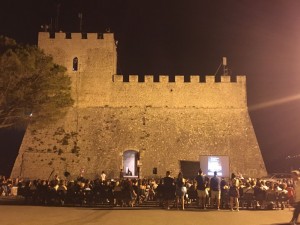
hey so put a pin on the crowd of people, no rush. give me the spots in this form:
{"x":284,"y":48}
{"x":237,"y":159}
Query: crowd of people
{"x":202,"y":191}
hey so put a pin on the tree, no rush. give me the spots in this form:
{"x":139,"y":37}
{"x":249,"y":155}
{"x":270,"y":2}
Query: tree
{"x":32,"y":86}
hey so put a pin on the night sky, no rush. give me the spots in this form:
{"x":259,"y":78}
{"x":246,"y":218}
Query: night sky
{"x":261,"y":39}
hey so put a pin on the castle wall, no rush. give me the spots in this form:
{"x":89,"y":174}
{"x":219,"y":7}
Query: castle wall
{"x":209,"y":94}
{"x":163,"y":121}
{"x":162,"y":136}
{"x":96,"y":76}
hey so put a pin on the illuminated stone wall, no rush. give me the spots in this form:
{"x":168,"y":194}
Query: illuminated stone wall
{"x":208,"y":94}
{"x":96,"y":76}
{"x":96,"y":63}
{"x":165,"y":122}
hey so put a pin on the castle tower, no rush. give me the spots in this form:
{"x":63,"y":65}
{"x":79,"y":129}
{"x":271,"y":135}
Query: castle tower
{"x":90,"y":60}
{"x":144,"y":128}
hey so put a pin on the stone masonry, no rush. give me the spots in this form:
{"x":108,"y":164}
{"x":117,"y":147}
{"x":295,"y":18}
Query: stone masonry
{"x":162,"y":122}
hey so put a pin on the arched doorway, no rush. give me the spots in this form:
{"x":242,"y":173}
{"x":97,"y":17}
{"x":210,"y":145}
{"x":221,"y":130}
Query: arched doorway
{"x":130,"y":158}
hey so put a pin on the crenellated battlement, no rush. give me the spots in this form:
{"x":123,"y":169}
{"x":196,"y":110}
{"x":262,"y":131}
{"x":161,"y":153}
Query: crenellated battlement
{"x":180,"y":79}
{"x":76,"y":36}
{"x":96,"y":76}
{"x":160,"y":91}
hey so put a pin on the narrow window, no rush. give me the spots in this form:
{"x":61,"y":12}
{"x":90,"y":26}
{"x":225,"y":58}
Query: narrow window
{"x":75,"y":64}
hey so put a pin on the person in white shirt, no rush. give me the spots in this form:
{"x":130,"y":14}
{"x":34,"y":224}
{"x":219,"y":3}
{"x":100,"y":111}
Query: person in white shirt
{"x":103,"y":176}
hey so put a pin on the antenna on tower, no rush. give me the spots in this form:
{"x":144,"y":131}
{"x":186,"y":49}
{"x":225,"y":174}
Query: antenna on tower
{"x":57,"y":16}
{"x":225,"y":68}
{"x":80,"y":15}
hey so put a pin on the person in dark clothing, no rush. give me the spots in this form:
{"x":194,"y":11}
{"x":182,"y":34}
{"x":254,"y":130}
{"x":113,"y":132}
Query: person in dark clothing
{"x":160,"y":193}
{"x":201,"y":189}
{"x":234,"y":193}
{"x":215,"y":189}
{"x":121,"y":176}
{"x":168,"y":189}
{"x":180,"y":190}
{"x":224,"y":193}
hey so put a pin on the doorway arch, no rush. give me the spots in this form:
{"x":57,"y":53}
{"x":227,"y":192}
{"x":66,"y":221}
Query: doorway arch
{"x":130,"y":168}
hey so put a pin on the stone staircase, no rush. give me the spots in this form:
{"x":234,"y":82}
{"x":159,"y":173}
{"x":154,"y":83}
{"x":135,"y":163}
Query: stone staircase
{"x":19,"y":200}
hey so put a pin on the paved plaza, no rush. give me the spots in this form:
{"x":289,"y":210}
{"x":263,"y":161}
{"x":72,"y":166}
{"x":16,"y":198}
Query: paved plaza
{"x":39,"y":215}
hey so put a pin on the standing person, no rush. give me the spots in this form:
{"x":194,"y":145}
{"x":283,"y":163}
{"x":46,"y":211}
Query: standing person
{"x":296,"y":184}
{"x":129,"y":173}
{"x":103,"y":176}
{"x":234,"y":193}
{"x":180,"y":190}
{"x":215,"y":190}
{"x":121,"y":174}
{"x":224,"y":193}
{"x":168,"y":189}
{"x":201,"y":186}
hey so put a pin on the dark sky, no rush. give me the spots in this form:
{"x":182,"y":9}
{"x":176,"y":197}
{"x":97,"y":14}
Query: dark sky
{"x":261,"y":39}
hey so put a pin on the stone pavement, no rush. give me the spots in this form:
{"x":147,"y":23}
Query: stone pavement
{"x":44,"y":215}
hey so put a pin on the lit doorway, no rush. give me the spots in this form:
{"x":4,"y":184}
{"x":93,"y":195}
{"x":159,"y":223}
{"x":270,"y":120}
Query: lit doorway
{"x":130,"y":158}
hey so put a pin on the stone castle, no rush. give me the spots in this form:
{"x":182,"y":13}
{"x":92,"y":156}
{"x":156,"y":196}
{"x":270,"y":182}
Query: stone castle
{"x":143,"y":128}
